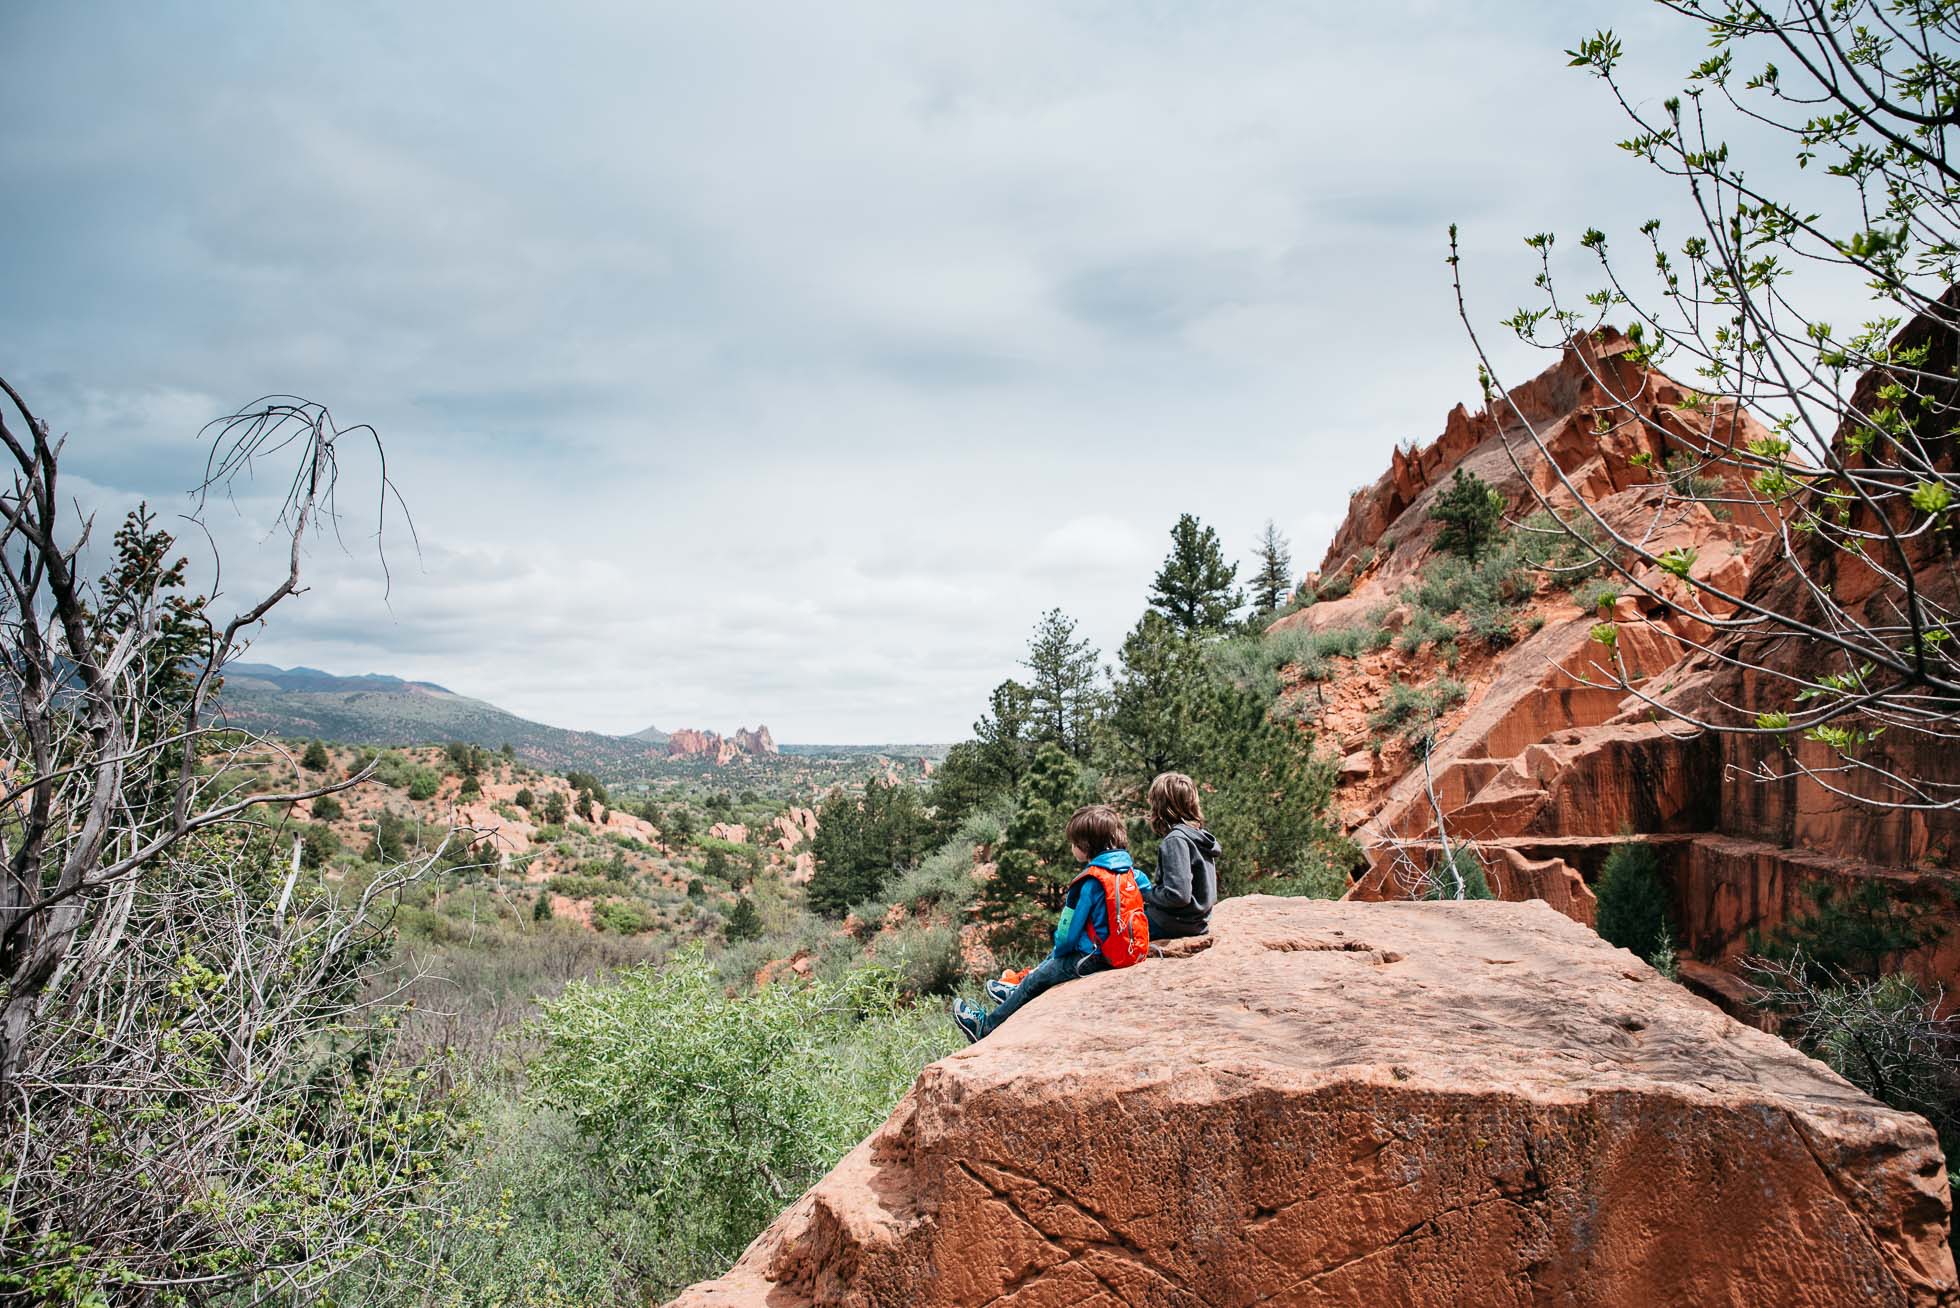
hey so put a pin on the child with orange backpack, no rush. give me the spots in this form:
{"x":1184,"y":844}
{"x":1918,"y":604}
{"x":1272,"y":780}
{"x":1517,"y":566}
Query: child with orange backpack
{"x":1103,"y":923}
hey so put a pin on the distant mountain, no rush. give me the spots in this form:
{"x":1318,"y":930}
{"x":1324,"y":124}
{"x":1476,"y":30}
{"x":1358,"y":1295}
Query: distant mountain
{"x":307,"y":704}
{"x":652,"y":735}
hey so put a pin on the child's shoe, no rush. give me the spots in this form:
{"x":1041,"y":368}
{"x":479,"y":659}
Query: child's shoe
{"x":967,"y":1018}
{"x":998,"y":990}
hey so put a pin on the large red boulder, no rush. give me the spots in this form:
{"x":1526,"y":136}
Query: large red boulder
{"x":1335,"y":1103}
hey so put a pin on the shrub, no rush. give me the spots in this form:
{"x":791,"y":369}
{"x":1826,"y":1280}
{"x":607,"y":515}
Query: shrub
{"x":1423,"y":628}
{"x":316,"y":758}
{"x":712,"y":1111}
{"x":1492,"y":626}
{"x":318,"y":845}
{"x":626,"y":916}
{"x":925,"y":959}
{"x":1416,"y":707}
{"x":1633,"y":903}
{"x":327,"y":809}
{"x":1460,"y":876}
{"x":943,"y":880}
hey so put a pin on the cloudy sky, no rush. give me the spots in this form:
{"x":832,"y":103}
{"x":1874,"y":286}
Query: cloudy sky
{"x":775,"y":361}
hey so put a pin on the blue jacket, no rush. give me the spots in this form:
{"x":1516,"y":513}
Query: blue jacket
{"x":1072,"y":930}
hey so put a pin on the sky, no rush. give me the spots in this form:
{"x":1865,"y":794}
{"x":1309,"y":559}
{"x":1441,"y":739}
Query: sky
{"x":750,"y":362}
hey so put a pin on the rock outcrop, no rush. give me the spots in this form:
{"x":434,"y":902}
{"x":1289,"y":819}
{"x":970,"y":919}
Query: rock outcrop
{"x":1545,"y":763}
{"x":720,"y":750}
{"x":1326,"y":1103}
{"x":755,"y":742}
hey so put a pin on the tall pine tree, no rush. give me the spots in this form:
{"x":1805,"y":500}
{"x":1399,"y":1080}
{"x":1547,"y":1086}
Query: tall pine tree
{"x":1063,"y":694}
{"x":1194,"y":588}
{"x":1272,"y":582}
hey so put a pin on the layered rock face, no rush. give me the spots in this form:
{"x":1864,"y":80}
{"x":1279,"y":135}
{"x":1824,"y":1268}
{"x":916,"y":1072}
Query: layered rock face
{"x":1546,"y":764}
{"x":1321,"y":1103}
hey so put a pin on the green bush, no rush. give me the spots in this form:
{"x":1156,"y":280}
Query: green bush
{"x":1413,"y":708}
{"x":943,"y":880}
{"x":1492,"y":626}
{"x":1460,"y":876}
{"x":626,"y":916}
{"x":1633,"y":908}
{"x":316,"y":758}
{"x":711,"y":1111}
{"x":925,"y":959}
{"x":1423,"y":628}
{"x":327,"y":809}
{"x":574,"y":886}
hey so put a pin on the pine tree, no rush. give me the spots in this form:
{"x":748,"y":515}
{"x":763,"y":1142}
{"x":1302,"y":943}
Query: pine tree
{"x":316,"y":758}
{"x":541,"y":911}
{"x":744,"y":923}
{"x":1470,"y":512}
{"x":1063,"y":697}
{"x":1272,"y":583}
{"x":1633,"y":909}
{"x":1194,"y":587}
{"x":1005,"y":734}
{"x":1019,"y":902}
{"x":1152,"y":723}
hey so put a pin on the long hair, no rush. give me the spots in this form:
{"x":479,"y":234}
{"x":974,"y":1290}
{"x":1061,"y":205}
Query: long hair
{"x":1174,"y":799}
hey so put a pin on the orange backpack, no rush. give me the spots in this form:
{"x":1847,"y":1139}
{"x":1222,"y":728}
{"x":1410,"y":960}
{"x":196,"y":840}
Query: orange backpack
{"x":1128,"y":938}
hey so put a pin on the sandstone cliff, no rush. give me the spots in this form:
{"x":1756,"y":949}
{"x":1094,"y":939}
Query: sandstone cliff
{"x":1545,"y":766}
{"x":1460,"y":1104}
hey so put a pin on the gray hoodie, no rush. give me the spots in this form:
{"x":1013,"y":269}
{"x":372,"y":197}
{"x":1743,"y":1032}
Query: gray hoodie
{"x":1179,"y":900}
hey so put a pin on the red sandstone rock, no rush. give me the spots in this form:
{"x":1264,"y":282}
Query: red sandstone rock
{"x":1461,"y":1104}
{"x":755,"y":742}
{"x":688,"y":743}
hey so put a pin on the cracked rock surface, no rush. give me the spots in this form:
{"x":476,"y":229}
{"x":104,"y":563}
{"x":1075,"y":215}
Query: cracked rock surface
{"x":1346,"y":1103}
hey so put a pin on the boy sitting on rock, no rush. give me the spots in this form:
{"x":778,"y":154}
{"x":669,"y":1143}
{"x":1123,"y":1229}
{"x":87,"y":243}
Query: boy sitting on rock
{"x":1090,"y":936}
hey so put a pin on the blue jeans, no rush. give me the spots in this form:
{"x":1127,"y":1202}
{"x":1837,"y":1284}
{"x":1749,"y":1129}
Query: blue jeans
{"x":1052,"y":972}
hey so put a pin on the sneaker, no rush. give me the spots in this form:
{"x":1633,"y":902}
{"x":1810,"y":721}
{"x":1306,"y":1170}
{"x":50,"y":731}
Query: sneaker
{"x":967,"y":1018}
{"x":998,"y":990}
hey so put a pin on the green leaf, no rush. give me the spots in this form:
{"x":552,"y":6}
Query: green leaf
{"x":1931,"y":497}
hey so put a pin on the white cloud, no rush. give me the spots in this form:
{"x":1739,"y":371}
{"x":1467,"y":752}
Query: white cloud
{"x":783,"y":361}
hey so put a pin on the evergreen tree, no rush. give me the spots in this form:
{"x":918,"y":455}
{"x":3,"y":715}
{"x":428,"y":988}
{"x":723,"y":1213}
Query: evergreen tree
{"x":1194,"y":587}
{"x":326,"y":809}
{"x":1019,"y":902}
{"x":1272,"y":582}
{"x":1268,"y":798}
{"x":744,"y":923}
{"x":541,"y":911}
{"x":316,"y":758}
{"x":1470,"y":512}
{"x":1633,"y":911}
{"x":1005,"y":734}
{"x":1158,"y":692}
{"x":860,"y":842}
{"x":526,"y":800}
{"x":1063,"y":695}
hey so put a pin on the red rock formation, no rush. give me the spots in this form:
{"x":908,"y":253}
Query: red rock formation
{"x":1371,"y":1104}
{"x":755,"y":742}
{"x":688,"y":743}
{"x":1548,"y":767}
